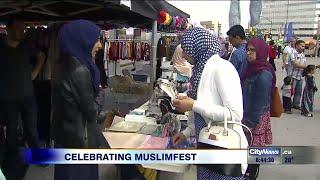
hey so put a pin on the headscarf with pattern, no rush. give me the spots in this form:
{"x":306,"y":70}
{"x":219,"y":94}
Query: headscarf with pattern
{"x":200,"y":45}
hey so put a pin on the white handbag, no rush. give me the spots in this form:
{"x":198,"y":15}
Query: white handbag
{"x":222,"y":136}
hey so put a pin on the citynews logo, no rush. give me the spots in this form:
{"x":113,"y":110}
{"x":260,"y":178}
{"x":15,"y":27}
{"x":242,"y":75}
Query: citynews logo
{"x":264,"y":151}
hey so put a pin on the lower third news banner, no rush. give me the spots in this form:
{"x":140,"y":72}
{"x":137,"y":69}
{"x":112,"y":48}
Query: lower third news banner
{"x":133,"y":156}
{"x":285,"y":155}
{"x":253,"y":155}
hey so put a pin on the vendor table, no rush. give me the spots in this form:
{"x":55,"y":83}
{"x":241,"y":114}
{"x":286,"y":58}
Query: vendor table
{"x":134,"y":140}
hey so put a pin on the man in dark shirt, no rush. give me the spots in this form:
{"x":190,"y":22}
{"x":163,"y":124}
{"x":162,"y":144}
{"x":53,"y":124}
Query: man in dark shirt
{"x":237,"y":38}
{"x":17,"y":97}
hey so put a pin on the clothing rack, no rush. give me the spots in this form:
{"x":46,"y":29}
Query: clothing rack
{"x":168,"y":34}
{"x":107,"y":40}
{"x":135,"y":40}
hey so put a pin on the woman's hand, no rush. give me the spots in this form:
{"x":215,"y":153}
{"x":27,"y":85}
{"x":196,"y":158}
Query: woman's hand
{"x":183,"y":103}
{"x":178,"y":138}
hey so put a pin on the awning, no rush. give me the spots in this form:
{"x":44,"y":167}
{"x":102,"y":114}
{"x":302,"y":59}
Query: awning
{"x":141,"y":12}
{"x":151,"y":8}
{"x":65,"y":10}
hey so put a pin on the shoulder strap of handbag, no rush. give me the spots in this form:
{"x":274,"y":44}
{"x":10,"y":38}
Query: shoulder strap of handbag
{"x":240,"y":124}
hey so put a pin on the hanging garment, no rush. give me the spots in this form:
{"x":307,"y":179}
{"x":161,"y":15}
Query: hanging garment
{"x":124,"y":50}
{"x":161,"y":49}
{"x":111,"y":55}
{"x":142,"y":51}
{"x":146,"y":53}
{"x":129,"y":50}
{"x":107,"y":49}
{"x":133,"y":51}
{"x":168,"y":43}
{"x":137,"y":34}
{"x":113,"y":51}
{"x":112,"y":34}
{"x":120,"y":50}
{"x":138,"y":51}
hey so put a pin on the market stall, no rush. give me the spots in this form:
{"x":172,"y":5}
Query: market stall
{"x":138,"y":12}
{"x":132,"y":13}
{"x":151,"y":126}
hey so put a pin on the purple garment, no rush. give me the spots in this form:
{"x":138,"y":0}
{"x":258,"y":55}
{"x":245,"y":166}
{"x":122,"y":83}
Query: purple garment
{"x":261,"y":62}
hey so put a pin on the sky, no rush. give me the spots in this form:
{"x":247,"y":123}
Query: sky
{"x":213,"y":10}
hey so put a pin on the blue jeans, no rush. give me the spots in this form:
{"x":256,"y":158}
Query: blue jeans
{"x":297,"y":86}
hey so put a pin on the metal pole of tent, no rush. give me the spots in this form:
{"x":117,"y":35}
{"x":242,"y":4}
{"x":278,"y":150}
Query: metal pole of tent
{"x":153,"y":53}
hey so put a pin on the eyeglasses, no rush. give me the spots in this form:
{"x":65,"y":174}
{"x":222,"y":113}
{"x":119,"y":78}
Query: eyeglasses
{"x":251,"y":50}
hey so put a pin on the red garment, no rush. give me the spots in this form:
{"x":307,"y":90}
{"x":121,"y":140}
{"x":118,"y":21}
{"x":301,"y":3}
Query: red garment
{"x":262,"y":134}
{"x":120,"y":50}
{"x":113,"y":51}
{"x":272,"y":52}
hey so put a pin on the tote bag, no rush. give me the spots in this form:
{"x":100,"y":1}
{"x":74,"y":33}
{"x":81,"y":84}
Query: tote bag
{"x":276,"y":108}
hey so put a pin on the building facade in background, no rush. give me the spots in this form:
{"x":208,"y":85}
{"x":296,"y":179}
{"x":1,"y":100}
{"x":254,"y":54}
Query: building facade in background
{"x":212,"y":25}
{"x":304,"y":16}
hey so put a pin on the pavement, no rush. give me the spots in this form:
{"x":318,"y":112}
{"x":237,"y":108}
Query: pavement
{"x":289,"y":130}
{"x":295,"y":130}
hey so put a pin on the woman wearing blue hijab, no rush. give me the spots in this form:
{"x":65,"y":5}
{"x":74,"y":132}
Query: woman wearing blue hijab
{"x":215,"y":87}
{"x":75,"y":86}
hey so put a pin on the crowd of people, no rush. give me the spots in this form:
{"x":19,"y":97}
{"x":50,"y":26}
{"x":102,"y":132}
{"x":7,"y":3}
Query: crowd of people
{"x":253,"y":60}
{"x":297,"y":71}
{"x":243,"y":85}
{"x":242,"y":81}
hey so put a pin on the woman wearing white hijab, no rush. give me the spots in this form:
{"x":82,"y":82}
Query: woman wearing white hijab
{"x":180,"y":64}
